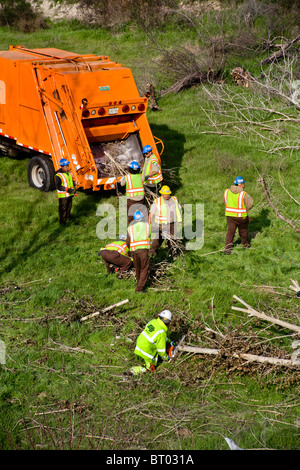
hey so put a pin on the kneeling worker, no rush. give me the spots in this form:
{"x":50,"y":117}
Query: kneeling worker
{"x":116,"y":254}
{"x":152,"y":343}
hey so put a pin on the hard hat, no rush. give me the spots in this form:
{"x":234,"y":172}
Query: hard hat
{"x":138,"y":215}
{"x":63,"y":162}
{"x":134,"y":165}
{"x":165,"y":315}
{"x":122,"y":237}
{"x":147,"y":149}
{"x":239,"y":180}
{"x":165,"y":190}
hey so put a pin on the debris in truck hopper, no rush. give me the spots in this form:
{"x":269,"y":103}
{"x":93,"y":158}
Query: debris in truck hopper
{"x":113,"y":158}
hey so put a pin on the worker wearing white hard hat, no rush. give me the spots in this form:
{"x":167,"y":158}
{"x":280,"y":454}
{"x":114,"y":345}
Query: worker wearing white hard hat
{"x":152,"y":343}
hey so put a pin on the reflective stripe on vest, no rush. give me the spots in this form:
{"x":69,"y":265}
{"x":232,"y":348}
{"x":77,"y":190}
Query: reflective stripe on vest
{"x":119,"y":246}
{"x":154,"y":334}
{"x":162,"y":211}
{"x":235,"y":204}
{"x":67,"y":182}
{"x":139,"y":236}
{"x":134,"y":185}
{"x":147,"y":168}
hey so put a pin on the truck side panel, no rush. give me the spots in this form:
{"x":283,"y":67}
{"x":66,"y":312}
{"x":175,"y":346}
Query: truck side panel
{"x":32,"y":127}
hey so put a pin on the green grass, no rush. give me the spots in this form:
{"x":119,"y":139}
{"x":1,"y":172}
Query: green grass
{"x":50,"y":277}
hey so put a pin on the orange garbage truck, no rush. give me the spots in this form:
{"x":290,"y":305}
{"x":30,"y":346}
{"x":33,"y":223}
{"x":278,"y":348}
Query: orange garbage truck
{"x":56,"y":104}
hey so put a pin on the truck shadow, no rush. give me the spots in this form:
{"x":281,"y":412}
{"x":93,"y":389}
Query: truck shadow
{"x":172,"y":155}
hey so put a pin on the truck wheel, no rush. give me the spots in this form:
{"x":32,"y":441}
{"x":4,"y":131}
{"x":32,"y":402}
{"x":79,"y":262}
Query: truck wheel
{"x":40,"y":173}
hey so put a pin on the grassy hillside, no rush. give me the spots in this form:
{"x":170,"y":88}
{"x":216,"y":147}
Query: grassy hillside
{"x":62,"y":382}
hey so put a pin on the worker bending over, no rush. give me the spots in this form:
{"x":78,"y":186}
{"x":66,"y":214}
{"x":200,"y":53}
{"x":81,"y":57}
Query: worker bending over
{"x":152,"y":343}
{"x":164,"y":217}
{"x":135,"y":192}
{"x":139,"y":242}
{"x":116,"y":257}
{"x":237,"y":204}
{"x":65,"y":187}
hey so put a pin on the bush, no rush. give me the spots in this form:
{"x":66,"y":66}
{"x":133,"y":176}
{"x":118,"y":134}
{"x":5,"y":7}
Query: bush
{"x":20,"y":14}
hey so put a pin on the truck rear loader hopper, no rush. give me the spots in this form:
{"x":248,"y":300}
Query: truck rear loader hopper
{"x":56,"y":104}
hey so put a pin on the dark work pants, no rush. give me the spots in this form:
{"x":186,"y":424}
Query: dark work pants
{"x":113,"y":257}
{"x":240,"y":223}
{"x":141,"y":264}
{"x":64,"y":208}
{"x":159,"y":238}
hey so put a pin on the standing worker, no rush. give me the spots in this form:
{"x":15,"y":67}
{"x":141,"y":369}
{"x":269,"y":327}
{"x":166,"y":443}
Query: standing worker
{"x":65,"y":189}
{"x":166,"y":212}
{"x":152,"y":343}
{"x":139,"y":240}
{"x":151,"y":170}
{"x":135,"y":191}
{"x":237,"y":204}
{"x":116,"y":257}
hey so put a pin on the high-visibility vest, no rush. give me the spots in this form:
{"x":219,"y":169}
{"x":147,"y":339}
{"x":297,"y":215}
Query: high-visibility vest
{"x":134,"y":185}
{"x":67,"y":182}
{"x":119,"y":245}
{"x":151,"y":343}
{"x":147,"y":168}
{"x":139,"y":233}
{"x":235,"y":204}
{"x":161,"y":215}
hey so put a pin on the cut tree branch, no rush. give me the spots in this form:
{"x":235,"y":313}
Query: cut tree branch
{"x":263,"y":316}
{"x":247,"y":357}
{"x":92,"y":315}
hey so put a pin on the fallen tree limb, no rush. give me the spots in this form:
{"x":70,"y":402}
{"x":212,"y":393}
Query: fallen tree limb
{"x":263,"y":316}
{"x":280,"y":216}
{"x":106,"y":309}
{"x":247,"y":357}
{"x":280,"y":54}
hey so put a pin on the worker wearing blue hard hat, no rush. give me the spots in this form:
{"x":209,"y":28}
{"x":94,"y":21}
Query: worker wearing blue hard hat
{"x":151,"y":169}
{"x":237,"y":205}
{"x":139,"y":245}
{"x":65,"y":187}
{"x":135,"y":191}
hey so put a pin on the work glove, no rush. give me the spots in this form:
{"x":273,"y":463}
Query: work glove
{"x":71,"y":190}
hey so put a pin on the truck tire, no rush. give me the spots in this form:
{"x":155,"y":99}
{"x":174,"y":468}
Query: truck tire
{"x":40,"y":173}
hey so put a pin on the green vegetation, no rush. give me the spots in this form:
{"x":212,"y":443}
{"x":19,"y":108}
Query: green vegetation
{"x":62,"y":386}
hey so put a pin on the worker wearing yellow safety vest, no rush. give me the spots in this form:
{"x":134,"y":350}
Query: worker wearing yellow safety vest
{"x":151,"y":170}
{"x":65,"y":189}
{"x":237,"y":204}
{"x":116,"y":256}
{"x":152,"y":343}
{"x":139,"y":240}
{"x":135,"y":191}
{"x":164,"y":217}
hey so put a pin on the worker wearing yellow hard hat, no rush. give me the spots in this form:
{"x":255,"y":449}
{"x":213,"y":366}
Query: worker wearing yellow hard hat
{"x":165,"y":190}
{"x":164,"y":215}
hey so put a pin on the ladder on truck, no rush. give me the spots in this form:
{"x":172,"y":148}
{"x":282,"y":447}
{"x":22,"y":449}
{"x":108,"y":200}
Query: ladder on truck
{"x":64,"y":127}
